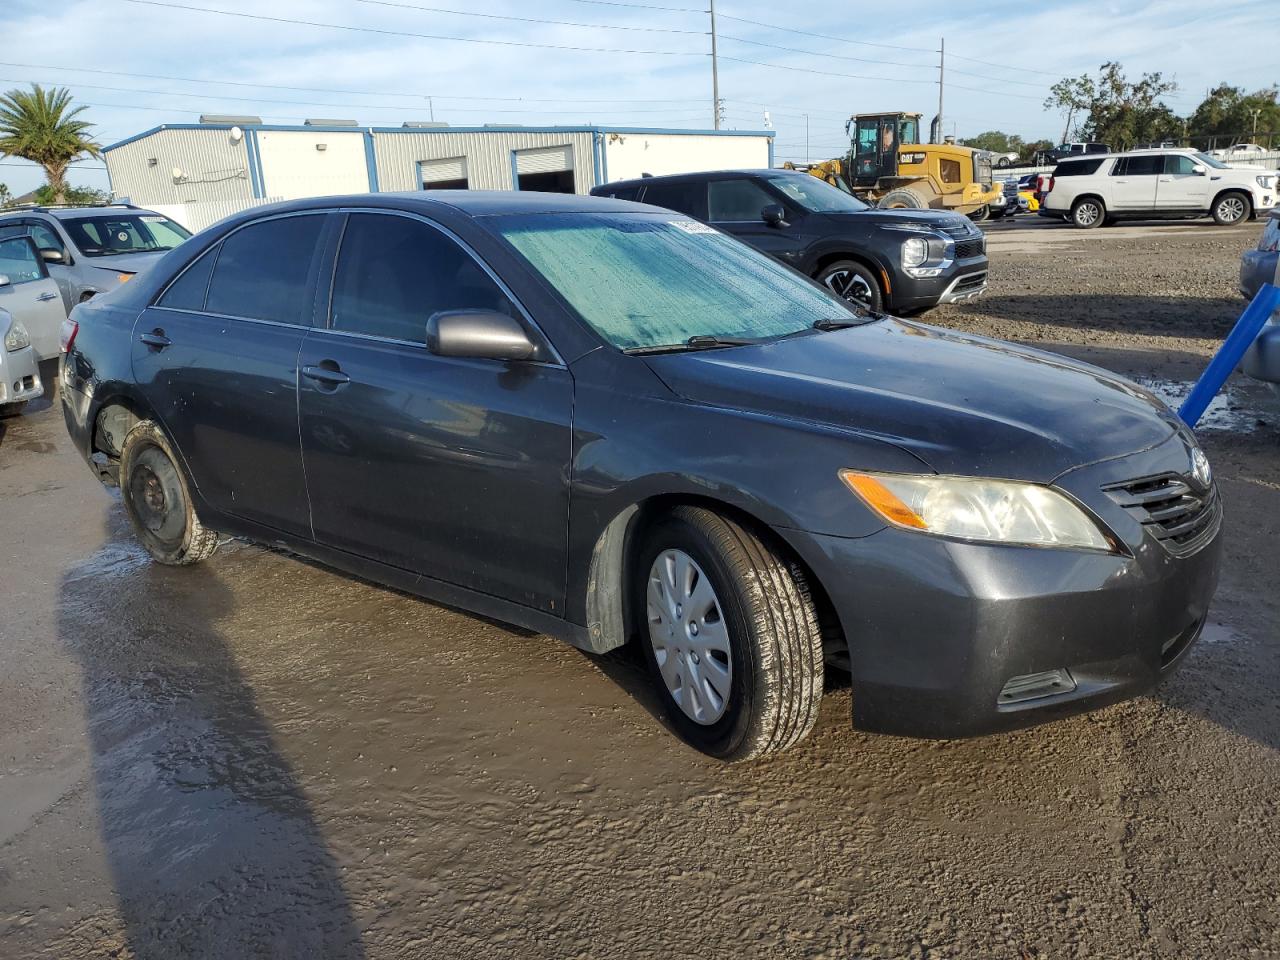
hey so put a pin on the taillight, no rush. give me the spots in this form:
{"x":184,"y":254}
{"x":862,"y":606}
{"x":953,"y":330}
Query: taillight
{"x":1048,"y":187}
{"x":69,"y":330}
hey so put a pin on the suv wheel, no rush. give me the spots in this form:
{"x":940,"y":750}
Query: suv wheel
{"x":730,"y":635}
{"x":853,"y":282}
{"x":157,"y":500}
{"x":1087,"y":213}
{"x":1231,"y":208}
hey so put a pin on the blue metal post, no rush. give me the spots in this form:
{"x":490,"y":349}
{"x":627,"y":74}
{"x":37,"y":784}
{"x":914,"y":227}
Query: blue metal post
{"x":1230,"y":353}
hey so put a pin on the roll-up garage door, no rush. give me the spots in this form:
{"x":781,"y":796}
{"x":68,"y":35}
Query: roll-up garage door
{"x":544,"y":159}
{"x":445,"y":169}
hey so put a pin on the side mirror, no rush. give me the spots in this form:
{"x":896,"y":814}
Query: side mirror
{"x":485,"y":334}
{"x":1199,"y":170}
{"x":774,"y":215}
{"x":50,"y":255}
{"x":4,"y":280}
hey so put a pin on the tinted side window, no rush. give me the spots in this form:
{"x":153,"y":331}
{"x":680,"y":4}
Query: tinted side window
{"x":1077,"y":168}
{"x":262,"y":270}
{"x":393,"y":273}
{"x":1146,"y":166}
{"x":45,"y":237}
{"x":736,"y":200}
{"x":687,"y":198}
{"x":187,"y":292}
{"x":1179,"y":165}
{"x":20,"y":262}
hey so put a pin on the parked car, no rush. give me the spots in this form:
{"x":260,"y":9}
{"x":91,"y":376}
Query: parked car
{"x":19,"y":371}
{"x":91,"y":250}
{"x":1240,"y":151}
{"x":901,"y":261}
{"x":1156,"y":184}
{"x":28,"y":293}
{"x":1260,"y":265}
{"x":1003,"y":160}
{"x":1262,"y":360}
{"x":1078,"y":148}
{"x":603,"y":420}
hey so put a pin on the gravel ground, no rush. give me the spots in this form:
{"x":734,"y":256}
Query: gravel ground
{"x":263,"y":758}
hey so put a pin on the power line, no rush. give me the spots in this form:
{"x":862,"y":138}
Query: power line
{"x":813,"y":53}
{"x":824,"y":73}
{"x":638,"y":6}
{"x":264,"y":18}
{"x":555,"y":23}
{"x":823,"y":36}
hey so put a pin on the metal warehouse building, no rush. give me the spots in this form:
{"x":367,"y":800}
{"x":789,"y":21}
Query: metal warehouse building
{"x":199,"y":173}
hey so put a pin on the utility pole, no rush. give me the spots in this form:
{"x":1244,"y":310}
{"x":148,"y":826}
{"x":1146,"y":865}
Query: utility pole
{"x":942,"y":63}
{"x":715,"y":69}
{"x":432,"y":107}
{"x":806,"y":138}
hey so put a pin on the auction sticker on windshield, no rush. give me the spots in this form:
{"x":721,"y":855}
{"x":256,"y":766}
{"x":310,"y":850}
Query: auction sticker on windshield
{"x":692,"y":226}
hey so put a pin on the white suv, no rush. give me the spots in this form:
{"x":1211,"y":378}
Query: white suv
{"x":1152,"y":184}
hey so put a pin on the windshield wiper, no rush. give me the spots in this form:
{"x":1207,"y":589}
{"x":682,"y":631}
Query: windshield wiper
{"x":702,"y":341}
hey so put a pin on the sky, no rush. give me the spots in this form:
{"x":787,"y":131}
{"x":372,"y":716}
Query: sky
{"x":141,"y":63}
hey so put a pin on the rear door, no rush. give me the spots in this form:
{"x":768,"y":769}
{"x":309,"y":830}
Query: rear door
{"x":1133,"y":182}
{"x":453,"y":468}
{"x":217,"y":358}
{"x":1179,"y":186}
{"x":735,"y":206}
{"x":28,"y":293}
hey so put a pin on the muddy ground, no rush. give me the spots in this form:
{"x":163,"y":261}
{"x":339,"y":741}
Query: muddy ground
{"x":262,"y":758}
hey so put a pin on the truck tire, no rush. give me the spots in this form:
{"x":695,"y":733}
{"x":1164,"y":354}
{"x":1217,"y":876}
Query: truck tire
{"x":853,"y":282}
{"x":1087,"y":213}
{"x":902,"y":199}
{"x":730,"y":635}
{"x":1231,"y":208}
{"x":981,"y":214}
{"x":157,"y":500}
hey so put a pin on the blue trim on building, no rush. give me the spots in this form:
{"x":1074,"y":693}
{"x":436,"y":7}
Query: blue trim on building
{"x":371,"y":161}
{"x":771,"y":153}
{"x":255,"y":164}
{"x":515,"y":171}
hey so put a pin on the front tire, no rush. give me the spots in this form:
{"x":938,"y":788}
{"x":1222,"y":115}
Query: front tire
{"x":730,"y":635}
{"x":1231,"y":208}
{"x":902,"y":199}
{"x":157,"y":500}
{"x":852,"y":282}
{"x":1087,"y":213}
{"x":981,"y":214}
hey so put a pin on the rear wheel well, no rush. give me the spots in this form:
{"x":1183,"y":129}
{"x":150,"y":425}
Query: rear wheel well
{"x":115,"y":418}
{"x":609,"y":617}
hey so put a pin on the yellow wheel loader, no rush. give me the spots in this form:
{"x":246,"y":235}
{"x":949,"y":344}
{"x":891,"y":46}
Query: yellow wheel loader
{"x":887,"y":166}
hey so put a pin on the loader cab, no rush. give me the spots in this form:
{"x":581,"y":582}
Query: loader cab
{"x":877,"y":138}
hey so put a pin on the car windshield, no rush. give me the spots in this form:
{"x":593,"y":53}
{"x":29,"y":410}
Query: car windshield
{"x":1210,"y":161}
{"x":654,"y":280}
{"x":114,"y":233}
{"x":817,"y":196}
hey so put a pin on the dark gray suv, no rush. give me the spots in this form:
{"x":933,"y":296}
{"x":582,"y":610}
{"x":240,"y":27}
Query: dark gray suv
{"x":609,"y":422}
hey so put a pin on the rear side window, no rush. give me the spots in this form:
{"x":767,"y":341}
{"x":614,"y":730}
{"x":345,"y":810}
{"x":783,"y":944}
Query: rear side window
{"x":262,"y":270}
{"x":20,"y":262}
{"x":687,"y":198}
{"x":187,"y":292}
{"x":1145,"y":166}
{"x":740,"y":200}
{"x":1077,"y":168}
{"x":393,"y":273}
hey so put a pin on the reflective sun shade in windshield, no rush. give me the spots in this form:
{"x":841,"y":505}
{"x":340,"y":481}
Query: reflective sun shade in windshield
{"x":643,"y":280}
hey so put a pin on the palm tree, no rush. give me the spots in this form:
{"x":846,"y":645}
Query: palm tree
{"x":41,"y":126}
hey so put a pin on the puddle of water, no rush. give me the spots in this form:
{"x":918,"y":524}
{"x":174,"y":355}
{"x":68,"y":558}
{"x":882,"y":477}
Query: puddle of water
{"x":1225,"y":412}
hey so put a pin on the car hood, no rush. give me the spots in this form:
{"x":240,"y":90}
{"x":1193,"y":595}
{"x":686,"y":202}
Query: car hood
{"x":126,"y":262}
{"x":964,"y":405}
{"x":936,"y":219}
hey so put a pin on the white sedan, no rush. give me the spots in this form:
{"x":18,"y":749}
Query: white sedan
{"x":19,"y":372}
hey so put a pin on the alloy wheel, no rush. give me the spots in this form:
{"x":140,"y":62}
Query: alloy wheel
{"x":689,"y":636}
{"x":1231,"y":209}
{"x":1087,"y":214}
{"x":850,"y":286}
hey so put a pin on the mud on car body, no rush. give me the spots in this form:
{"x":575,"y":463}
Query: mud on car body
{"x":612,"y":423}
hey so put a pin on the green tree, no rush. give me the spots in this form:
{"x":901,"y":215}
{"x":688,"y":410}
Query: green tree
{"x":1115,"y":110}
{"x":78,"y":196}
{"x":996,"y":141}
{"x":1228,"y":113}
{"x":6,"y":198}
{"x":40,"y":125}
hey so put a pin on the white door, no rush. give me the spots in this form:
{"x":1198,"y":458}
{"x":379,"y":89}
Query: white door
{"x":1133,"y":182}
{"x":28,"y":293}
{"x":1180,"y":186}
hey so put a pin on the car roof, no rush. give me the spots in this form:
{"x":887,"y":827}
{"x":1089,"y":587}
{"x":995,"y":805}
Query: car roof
{"x":76,"y":213}
{"x":703,"y":175}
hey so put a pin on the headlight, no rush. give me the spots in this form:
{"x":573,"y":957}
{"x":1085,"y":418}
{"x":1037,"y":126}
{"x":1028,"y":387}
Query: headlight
{"x":915,"y":251}
{"x":1264,"y":182}
{"x":17,"y":338}
{"x":995,"y":511}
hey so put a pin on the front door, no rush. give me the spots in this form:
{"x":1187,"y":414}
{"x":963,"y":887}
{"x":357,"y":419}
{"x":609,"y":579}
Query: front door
{"x":217,"y":359}
{"x":1133,"y":182}
{"x":28,"y":293}
{"x":453,"y":468}
{"x":1180,"y":187}
{"x":735,"y":206}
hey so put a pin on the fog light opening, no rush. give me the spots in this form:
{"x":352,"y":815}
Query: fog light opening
{"x":1037,"y":686}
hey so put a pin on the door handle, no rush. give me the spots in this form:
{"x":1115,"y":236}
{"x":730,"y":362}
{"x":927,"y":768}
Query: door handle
{"x":329,"y":376}
{"x":47,"y":296}
{"x":155,"y":339}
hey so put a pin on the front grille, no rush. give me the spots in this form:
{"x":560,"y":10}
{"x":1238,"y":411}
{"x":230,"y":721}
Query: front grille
{"x":1180,"y":517}
{"x":969,"y":248}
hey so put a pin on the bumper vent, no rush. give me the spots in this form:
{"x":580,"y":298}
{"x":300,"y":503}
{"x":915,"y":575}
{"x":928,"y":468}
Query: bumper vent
{"x":1181,"y":518}
{"x":1037,"y":686}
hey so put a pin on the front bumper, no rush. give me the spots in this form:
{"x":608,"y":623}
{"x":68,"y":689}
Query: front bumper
{"x":19,"y":376}
{"x":965,"y":280}
{"x":941,"y":631}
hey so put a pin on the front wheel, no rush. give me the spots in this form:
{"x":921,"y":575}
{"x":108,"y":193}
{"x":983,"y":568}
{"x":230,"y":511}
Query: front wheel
{"x":1087,"y":213}
{"x":1230,"y":209}
{"x":982,"y":213}
{"x":853,"y":282}
{"x":157,"y":500}
{"x":730,"y":635}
